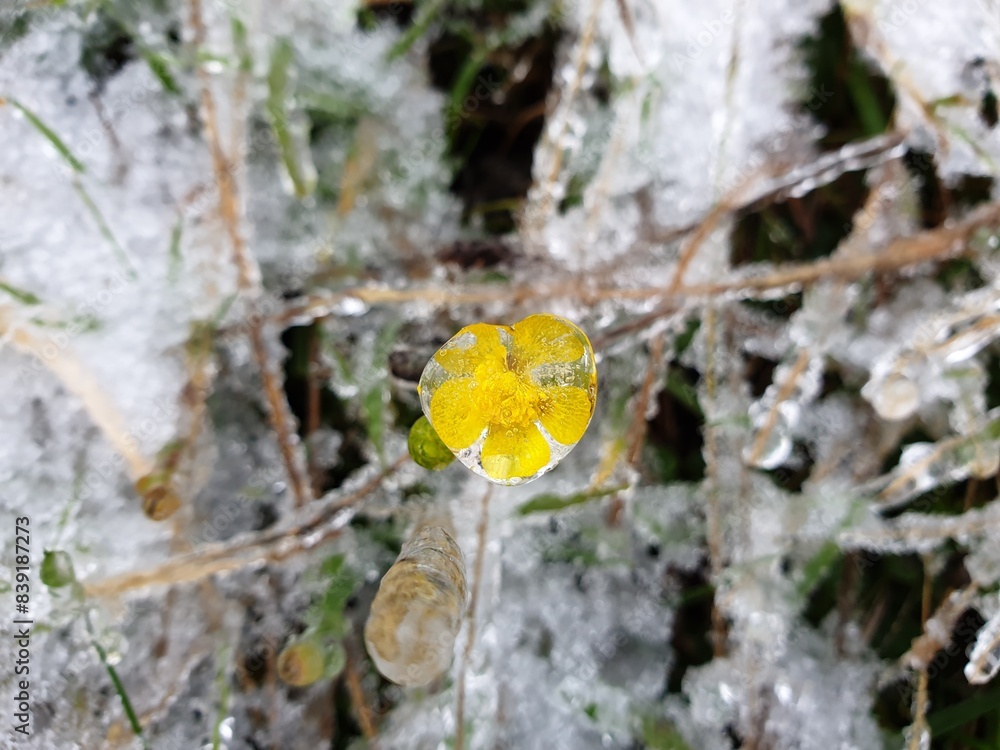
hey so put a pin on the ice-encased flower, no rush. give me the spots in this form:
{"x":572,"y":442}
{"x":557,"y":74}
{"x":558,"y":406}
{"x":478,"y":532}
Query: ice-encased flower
{"x":519,"y":396}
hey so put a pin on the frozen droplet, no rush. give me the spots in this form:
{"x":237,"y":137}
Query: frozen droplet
{"x":923,"y":741}
{"x":896,"y":397}
{"x":351,"y":307}
{"x":916,"y":460}
{"x":777,"y":442}
{"x":985,"y":461}
{"x":784,"y":693}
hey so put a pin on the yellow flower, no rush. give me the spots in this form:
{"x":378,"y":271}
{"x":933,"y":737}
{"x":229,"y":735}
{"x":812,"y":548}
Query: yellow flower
{"x":512,"y":382}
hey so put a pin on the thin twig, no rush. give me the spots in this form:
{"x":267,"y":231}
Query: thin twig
{"x":248,"y":275}
{"x":784,"y":393}
{"x":321,"y":525}
{"x":357,"y":693}
{"x":639,"y":426}
{"x":903,"y":253}
{"x":79,"y":381}
{"x":470,"y":640}
{"x":714,"y":520}
{"x":552,"y":143}
{"x":919,"y":725}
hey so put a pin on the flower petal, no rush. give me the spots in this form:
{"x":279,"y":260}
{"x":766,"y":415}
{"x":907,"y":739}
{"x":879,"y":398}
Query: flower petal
{"x":454,"y":415}
{"x":546,"y":339}
{"x":566,"y":413}
{"x":461,"y":357}
{"x":514,"y":452}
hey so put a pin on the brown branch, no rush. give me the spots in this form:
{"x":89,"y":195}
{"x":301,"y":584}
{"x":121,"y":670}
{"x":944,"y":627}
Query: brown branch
{"x":784,"y":393}
{"x":552,"y":143}
{"x":696,"y":240}
{"x":639,"y":426}
{"x":714,"y":520}
{"x":903,"y":253}
{"x":79,"y":381}
{"x":357,"y":692}
{"x":248,"y":275}
{"x":919,"y":725}
{"x":268,"y":546}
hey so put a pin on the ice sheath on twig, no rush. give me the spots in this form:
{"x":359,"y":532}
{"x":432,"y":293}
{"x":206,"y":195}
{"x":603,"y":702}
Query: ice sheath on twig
{"x":417,"y":613}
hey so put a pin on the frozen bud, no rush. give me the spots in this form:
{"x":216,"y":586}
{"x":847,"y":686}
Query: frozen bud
{"x":418,"y":610}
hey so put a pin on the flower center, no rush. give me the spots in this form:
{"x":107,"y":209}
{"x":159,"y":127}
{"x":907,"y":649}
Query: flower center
{"x":504,"y":398}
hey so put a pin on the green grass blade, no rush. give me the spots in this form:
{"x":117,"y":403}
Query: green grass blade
{"x":222,"y":681}
{"x":550,"y":502}
{"x":105,"y":229}
{"x":950,"y":718}
{"x":21,"y":295}
{"x":133,"y":719}
{"x":241,"y":45}
{"x":174,"y":251}
{"x":160,"y":68}
{"x":425,"y":16}
{"x":302,"y":177}
{"x":49,"y":134}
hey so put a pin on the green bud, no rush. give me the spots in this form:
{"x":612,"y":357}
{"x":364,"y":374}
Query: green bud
{"x":309,"y":658}
{"x":426,"y":447}
{"x":57,"y":569}
{"x":301,"y":662}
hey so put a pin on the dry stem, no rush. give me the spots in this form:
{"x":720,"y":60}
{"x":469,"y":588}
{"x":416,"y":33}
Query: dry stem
{"x":248,"y":275}
{"x":552,"y":143}
{"x":784,"y":393}
{"x":919,"y":725}
{"x":357,"y":693}
{"x":903,"y":253}
{"x":714,"y":519}
{"x":79,"y":381}
{"x":267,"y":546}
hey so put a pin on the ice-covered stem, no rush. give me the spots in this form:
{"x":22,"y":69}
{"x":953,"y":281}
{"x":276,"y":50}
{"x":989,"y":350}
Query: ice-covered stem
{"x":787,"y":389}
{"x":79,"y":381}
{"x":640,"y":419}
{"x":902,"y":484}
{"x":713,"y":512}
{"x":938,"y":628}
{"x":319,"y":526}
{"x":919,"y":727}
{"x":921,"y":532}
{"x":636,"y":435}
{"x":248,"y":274}
{"x":470,"y":637}
{"x":901,"y":254}
{"x":984,"y":661}
{"x":541,"y":197}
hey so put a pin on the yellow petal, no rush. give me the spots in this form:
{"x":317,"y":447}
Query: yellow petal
{"x":514,"y":452}
{"x":546,"y":339}
{"x":566,"y":413}
{"x":462,"y":357}
{"x":454,"y":415}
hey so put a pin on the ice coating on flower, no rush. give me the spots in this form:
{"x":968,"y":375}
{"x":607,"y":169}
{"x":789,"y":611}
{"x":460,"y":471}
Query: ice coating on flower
{"x":511,"y":401}
{"x":417,"y":612}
